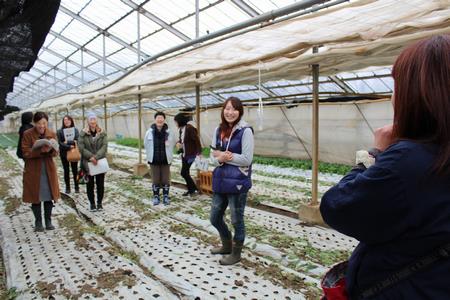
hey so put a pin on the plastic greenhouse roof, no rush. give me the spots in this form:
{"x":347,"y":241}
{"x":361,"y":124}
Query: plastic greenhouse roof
{"x":96,"y":40}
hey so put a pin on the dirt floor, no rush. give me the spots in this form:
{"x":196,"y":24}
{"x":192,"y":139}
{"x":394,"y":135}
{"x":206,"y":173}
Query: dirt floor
{"x":134,"y":250}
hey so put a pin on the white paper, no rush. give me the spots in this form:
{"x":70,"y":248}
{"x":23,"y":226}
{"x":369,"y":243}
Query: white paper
{"x":101,"y":167}
{"x":69,"y":134}
{"x":201,"y":164}
{"x":44,"y":142}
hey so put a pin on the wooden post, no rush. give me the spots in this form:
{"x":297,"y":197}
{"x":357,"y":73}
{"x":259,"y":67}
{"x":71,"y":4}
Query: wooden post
{"x":315,"y":132}
{"x":140,"y":168}
{"x":310,"y":213}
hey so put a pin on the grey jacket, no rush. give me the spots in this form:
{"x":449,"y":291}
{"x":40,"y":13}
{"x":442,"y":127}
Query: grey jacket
{"x":92,"y":146}
{"x":148,"y":144}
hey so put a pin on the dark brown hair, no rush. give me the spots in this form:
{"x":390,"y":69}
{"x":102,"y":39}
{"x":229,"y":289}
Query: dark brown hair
{"x":422,"y":96}
{"x":72,"y":123}
{"x":39,"y":115}
{"x":225,"y":128}
{"x":182,"y":119}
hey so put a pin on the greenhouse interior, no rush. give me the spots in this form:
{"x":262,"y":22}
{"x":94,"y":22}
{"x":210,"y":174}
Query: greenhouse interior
{"x":314,"y":81}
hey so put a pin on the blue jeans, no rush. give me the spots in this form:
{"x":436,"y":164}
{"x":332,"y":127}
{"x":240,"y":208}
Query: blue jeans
{"x":237,"y":205}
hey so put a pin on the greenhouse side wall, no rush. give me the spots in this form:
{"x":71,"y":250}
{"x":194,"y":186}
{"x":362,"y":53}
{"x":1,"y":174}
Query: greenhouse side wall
{"x":286,"y":132}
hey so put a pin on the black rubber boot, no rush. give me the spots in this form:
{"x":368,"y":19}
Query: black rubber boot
{"x":166,"y":199}
{"x":48,"y":206}
{"x":36,"y":208}
{"x":226,"y":247}
{"x":156,"y":198}
{"x":235,"y":255}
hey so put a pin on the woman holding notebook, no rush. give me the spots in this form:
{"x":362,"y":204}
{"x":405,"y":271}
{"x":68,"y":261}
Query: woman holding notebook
{"x":67,"y":138}
{"x":40,"y":178}
{"x":93,"y":146}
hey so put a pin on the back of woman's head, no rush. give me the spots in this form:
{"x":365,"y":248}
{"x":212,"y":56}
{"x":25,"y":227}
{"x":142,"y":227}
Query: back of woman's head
{"x":422,"y":95}
{"x":27,"y":117}
{"x":182,"y":119}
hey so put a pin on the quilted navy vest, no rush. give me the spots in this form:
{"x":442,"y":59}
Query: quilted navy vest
{"x":229,"y":179}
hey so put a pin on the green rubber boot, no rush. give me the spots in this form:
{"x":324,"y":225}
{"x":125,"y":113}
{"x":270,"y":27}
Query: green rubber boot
{"x":235,"y":255}
{"x":224,"y":249}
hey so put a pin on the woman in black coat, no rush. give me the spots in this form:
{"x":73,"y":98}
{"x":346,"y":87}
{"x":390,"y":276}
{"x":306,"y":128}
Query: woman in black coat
{"x":396,"y":201}
{"x":65,"y":144}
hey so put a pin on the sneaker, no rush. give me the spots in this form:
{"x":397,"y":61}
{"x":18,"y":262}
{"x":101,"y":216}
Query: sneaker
{"x":156,"y":200}
{"x":166,"y":200}
{"x":67,"y":191}
{"x":93,"y":208}
{"x":99,"y":207}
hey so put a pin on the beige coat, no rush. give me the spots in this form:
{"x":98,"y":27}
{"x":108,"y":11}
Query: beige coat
{"x":33,"y":163}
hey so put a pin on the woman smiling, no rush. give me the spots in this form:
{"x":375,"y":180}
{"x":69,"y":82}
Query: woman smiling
{"x":232,"y":153}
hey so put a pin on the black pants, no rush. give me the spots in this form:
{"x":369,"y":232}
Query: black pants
{"x":185,"y":167}
{"x":100,"y":182}
{"x":74,"y":166}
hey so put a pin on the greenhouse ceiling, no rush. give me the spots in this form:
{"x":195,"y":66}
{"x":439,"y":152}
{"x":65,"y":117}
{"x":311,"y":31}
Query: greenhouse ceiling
{"x":95,"y":41}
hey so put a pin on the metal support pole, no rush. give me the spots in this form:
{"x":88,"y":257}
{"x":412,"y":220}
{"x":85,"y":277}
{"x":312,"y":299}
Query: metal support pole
{"x":138,"y":36}
{"x":56,"y":121}
{"x":197,"y":18}
{"x":67,"y":77}
{"x":104,"y":55}
{"x":54,"y":81}
{"x":105,"y":116}
{"x":140,"y":125}
{"x":315,"y":131}
{"x":82,"y":66}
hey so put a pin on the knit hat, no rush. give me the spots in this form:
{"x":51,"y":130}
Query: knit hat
{"x":91,"y":116}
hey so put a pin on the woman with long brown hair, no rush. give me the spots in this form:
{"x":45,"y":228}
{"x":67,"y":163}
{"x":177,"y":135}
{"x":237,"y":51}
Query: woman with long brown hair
{"x":399,"y":207}
{"x":67,"y":139}
{"x":232,"y":153}
{"x":189,"y":146}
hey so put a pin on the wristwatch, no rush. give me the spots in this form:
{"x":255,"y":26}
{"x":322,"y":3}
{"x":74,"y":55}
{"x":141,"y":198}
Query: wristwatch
{"x":366,"y":158}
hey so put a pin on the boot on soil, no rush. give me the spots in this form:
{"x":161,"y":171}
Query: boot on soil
{"x":166,"y":199}
{"x":48,"y":207}
{"x":156,"y":198}
{"x":225,"y":248}
{"x":37,"y":212}
{"x":235,"y":255}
